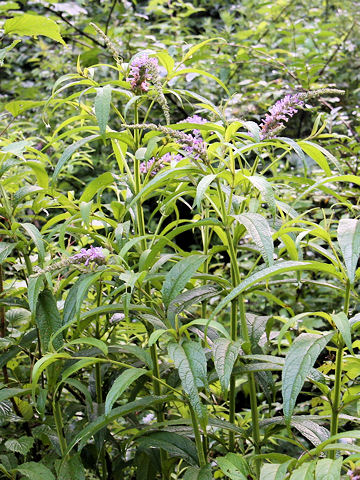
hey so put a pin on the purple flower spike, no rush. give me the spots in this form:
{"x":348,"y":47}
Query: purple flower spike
{"x":153,"y":165}
{"x":92,"y":254}
{"x":281,"y":111}
{"x":142,"y":70}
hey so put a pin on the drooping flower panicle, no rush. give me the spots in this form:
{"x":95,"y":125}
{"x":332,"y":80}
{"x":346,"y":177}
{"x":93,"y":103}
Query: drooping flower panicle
{"x":281,"y":111}
{"x":287,"y":107}
{"x":92,"y":254}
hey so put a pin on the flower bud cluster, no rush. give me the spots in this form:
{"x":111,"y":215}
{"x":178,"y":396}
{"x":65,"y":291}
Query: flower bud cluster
{"x":155,"y":165}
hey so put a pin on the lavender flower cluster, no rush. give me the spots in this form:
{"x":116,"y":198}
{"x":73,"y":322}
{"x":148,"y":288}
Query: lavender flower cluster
{"x":281,"y":111}
{"x":354,"y":474}
{"x":193,"y":144}
{"x":142,"y":70}
{"x":155,"y":165}
{"x":92,"y":254}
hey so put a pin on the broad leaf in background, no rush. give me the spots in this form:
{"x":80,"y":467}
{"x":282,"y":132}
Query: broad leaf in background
{"x":348,"y":235}
{"x":33,"y":25}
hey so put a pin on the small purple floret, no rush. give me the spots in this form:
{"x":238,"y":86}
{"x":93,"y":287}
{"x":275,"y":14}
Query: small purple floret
{"x":281,"y":111}
{"x":92,"y":254}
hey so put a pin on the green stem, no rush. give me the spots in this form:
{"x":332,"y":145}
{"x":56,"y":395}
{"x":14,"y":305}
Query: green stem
{"x":198,"y":443}
{"x":59,"y":425}
{"x":98,"y":382}
{"x":335,"y":407}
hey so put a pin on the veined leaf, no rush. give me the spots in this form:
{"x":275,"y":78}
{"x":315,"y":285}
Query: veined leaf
{"x":225,"y":353}
{"x":35,"y":471}
{"x":276,"y":269}
{"x":259,"y":230}
{"x":33,"y":25}
{"x":102,"y":106}
{"x":36,"y":237}
{"x":298,"y":363}
{"x":343,"y":325}
{"x":194,"y":473}
{"x":123,"y":381}
{"x":266,"y":191}
{"x":234,"y":466}
{"x":5,"y":250}
{"x":95,"y":342}
{"x":313,"y":152}
{"x":274,"y":471}
{"x":176,"y":445}
{"x":96,"y":185}
{"x":304,"y":472}
{"x":190,"y":361}
{"x":348,"y":235}
{"x":202,"y":187}
{"x":179,"y":275}
{"x":84,"y":435}
{"x":327,"y":469}
{"x":48,"y":320}
{"x":71,"y":469}
{"x":20,"y":445}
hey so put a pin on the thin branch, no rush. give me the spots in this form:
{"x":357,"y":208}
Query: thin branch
{"x":84,"y":34}
{"x":108,"y":19}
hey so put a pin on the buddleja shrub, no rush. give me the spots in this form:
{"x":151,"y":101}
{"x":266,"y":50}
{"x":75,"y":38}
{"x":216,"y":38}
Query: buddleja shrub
{"x":129,"y":353}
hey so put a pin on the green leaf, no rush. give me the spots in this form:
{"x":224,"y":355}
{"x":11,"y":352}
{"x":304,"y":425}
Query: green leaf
{"x":35,"y":471}
{"x":33,"y":25}
{"x":48,"y":320}
{"x":179,"y":275}
{"x":234,"y":466}
{"x":4,"y":51}
{"x":313,"y":152}
{"x":274,"y":471}
{"x":259,"y":230}
{"x":225,"y":353}
{"x":7,"y":393}
{"x":95,"y":342}
{"x":194,"y":473}
{"x":298,"y":363}
{"x":266,"y":191}
{"x":343,"y":325}
{"x":305,"y":472}
{"x":202,"y":187}
{"x":96,"y":185}
{"x":36,"y":237}
{"x":188,"y":298}
{"x":327,"y":469}
{"x":190,"y":361}
{"x":20,"y":445}
{"x":84,"y":435}
{"x":276,"y":269}
{"x":176,"y":445}
{"x":71,"y":469}
{"x":35,"y":285}
{"x":123,"y":381}
{"x":68,"y":153}
{"x":348,"y":235}
{"x":5,"y":250}
{"x":102,"y":106}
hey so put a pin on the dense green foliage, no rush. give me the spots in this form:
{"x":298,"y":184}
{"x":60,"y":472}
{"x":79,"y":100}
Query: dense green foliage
{"x":179,"y":240}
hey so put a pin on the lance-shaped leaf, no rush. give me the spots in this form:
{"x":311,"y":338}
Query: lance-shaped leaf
{"x":276,"y":269}
{"x":179,"y":275}
{"x":48,"y":320}
{"x":102,"y":107}
{"x":176,"y":445}
{"x":266,"y":191}
{"x":298,"y":364}
{"x":188,"y":298}
{"x":225,"y":354}
{"x":190,"y":361}
{"x":259,"y":230}
{"x":123,"y":381}
{"x":348,"y":235}
{"x":343,"y":325}
{"x":5,"y":250}
{"x":36,"y":237}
